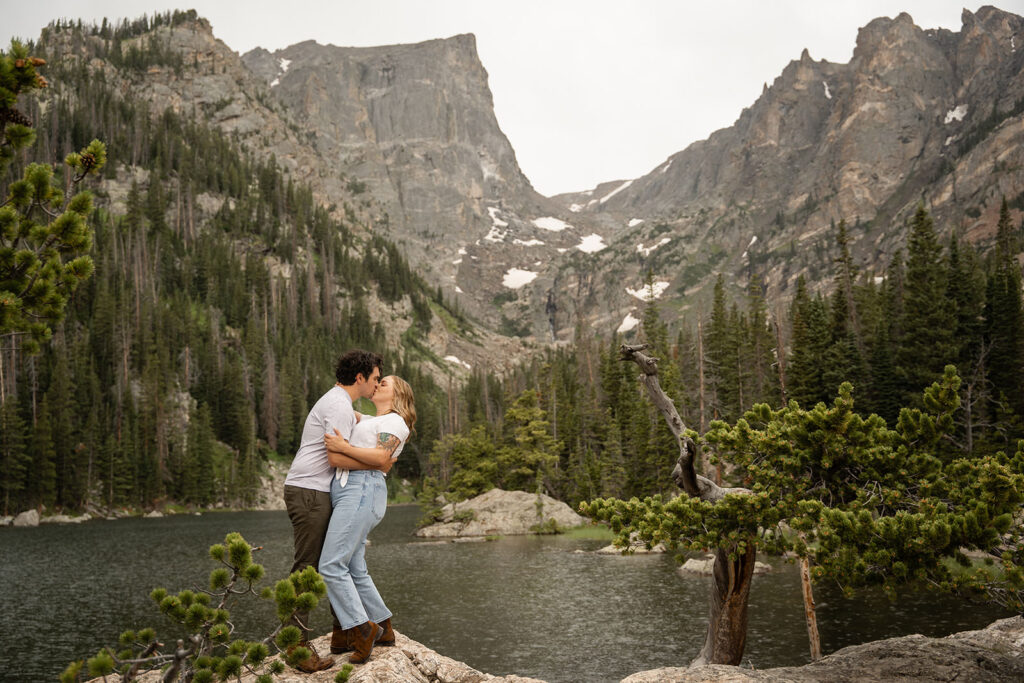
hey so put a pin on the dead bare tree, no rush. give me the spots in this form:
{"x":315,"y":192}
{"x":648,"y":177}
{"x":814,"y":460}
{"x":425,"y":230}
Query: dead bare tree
{"x":730,"y":588}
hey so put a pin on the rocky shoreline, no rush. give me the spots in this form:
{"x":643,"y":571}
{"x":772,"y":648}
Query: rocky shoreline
{"x":269,"y":496}
{"x":994,"y":654}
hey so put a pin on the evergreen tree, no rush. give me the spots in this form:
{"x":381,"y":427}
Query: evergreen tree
{"x":872,"y":506}
{"x":844,"y":361}
{"x":929,"y":318}
{"x":43,"y":481}
{"x":613,"y":463}
{"x":760,"y":357}
{"x":528,"y":460}
{"x":966,"y":292}
{"x":44,"y":239}
{"x":14,"y":460}
{"x":1004,"y":317}
{"x":71,"y":474}
{"x":723,"y":354}
{"x":810,"y":335}
{"x":883,"y":395}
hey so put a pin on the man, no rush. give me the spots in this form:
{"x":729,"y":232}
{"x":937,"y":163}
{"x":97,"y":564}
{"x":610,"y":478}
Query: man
{"x":307,"y":488}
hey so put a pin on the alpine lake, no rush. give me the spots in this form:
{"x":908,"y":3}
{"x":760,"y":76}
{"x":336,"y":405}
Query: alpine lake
{"x":532,"y":606}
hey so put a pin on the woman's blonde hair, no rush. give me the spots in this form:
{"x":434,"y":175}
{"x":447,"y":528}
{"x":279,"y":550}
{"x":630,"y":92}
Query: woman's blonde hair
{"x":403,"y":402}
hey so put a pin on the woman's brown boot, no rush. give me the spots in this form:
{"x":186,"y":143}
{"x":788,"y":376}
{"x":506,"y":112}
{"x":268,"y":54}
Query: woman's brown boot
{"x":341,"y":641}
{"x":313,"y":662}
{"x":388,"y":637}
{"x":362,"y":639}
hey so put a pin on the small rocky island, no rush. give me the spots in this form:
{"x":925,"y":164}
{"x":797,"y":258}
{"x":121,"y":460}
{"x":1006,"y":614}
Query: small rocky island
{"x":502,"y":513}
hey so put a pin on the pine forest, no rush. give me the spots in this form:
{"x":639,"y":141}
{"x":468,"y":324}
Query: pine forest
{"x":190,"y":358}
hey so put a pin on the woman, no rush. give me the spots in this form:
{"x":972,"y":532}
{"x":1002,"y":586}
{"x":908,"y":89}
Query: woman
{"x":359,"y":498}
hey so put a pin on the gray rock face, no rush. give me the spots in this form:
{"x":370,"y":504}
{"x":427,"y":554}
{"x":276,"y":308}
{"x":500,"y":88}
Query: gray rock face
{"x":914,"y":115}
{"x":27,"y":518}
{"x":992,"y":654}
{"x":413,"y":127}
{"x":910,"y":114}
{"x":497,"y":512}
{"x":403,"y":140}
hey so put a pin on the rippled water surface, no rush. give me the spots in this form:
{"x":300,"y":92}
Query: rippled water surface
{"x":526,"y":605}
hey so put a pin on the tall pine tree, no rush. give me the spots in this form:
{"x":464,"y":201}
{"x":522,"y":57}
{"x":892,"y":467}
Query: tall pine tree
{"x":929,"y":318}
{"x":1004,"y":320}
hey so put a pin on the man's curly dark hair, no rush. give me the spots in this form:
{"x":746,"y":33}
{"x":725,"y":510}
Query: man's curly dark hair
{"x":357,"y":362}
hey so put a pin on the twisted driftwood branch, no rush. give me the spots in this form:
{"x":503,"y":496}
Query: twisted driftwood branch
{"x":684,"y":473}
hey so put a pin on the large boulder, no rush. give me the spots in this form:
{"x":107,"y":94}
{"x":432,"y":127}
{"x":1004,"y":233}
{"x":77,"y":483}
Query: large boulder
{"x":27,"y":518}
{"x":705,"y":566}
{"x":505,"y":513}
{"x":993,"y":654}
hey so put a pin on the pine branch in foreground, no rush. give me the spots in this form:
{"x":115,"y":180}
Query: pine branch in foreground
{"x":207,"y":651}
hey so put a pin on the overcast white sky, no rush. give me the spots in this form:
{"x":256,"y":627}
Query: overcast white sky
{"x":586,"y":91}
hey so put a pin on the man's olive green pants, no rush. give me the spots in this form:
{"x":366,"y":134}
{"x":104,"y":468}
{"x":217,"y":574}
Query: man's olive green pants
{"x":310,"y":513}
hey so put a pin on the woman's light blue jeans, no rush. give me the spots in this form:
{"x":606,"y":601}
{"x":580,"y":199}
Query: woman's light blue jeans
{"x":357,"y":509}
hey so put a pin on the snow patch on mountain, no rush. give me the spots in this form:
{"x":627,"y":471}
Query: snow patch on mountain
{"x":517,"y":277}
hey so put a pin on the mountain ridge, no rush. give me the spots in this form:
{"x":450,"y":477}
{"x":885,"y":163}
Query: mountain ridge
{"x":827,"y":142}
{"x":404,"y":139}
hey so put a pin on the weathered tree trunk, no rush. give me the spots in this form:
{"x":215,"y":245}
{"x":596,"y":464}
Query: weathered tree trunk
{"x":700,"y":374}
{"x":780,"y":355}
{"x":810,"y":613}
{"x":730,"y":590}
{"x":727,"y":629}
{"x":3,"y":393}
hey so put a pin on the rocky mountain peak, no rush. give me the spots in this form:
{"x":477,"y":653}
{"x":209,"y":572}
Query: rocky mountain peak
{"x":413,"y":127}
{"x":884,"y":42}
{"x":404,"y":137}
{"x":905,"y":120}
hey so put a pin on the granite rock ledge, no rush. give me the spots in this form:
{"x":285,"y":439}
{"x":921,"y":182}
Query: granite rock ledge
{"x":994,"y":654}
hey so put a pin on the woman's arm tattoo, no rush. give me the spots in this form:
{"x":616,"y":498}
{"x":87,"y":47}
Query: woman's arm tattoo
{"x":388,"y":442}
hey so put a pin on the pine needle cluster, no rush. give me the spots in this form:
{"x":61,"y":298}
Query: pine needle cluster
{"x":44,"y":237}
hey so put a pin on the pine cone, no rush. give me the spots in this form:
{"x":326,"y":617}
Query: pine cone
{"x":41,"y":82}
{"x":36,"y":61}
{"x":88,"y":160}
{"x":14,"y":116}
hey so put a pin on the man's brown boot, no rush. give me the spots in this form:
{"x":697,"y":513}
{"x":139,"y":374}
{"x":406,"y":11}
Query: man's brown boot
{"x":388,"y":637}
{"x":363,"y":637}
{"x":341,"y":641}
{"x":313,"y":662}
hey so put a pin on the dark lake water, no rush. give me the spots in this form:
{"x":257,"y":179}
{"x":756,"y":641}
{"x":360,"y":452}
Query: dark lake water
{"x":525,"y":605}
